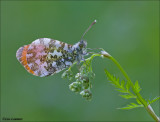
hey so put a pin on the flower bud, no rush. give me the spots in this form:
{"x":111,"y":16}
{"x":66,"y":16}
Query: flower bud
{"x":85,"y":82}
{"x":77,"y":75}
{"x":67,"y":74}
{"x":106,"y":54}
{"x":86,"y":94}
{"x":75,"y":87}
{"x":85,"y":79}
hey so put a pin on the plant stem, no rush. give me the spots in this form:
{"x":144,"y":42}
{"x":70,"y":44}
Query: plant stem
{"x":152,"y":113}
{"x":139,"y":97}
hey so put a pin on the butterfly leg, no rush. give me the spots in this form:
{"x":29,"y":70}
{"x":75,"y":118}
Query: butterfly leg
{"x":95,"y":48}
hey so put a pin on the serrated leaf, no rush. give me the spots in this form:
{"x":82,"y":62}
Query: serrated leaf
{"x":134,"y":104}
{"x":149,"y":102}
{"x":154,"y":100}
{"x":115,"y":81}
{"x":122,"y":83}
{"x":131,"y":106}
{"x":115,"y":85}
{"x":112,"y":78}
{"x":123,"y":91}
{"x":128,"y":96}
{"x":137,"y":87}
{"x":127,"y":86}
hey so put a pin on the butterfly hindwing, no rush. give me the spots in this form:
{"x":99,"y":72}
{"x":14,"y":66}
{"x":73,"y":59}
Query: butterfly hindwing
{"x":46,"y":56}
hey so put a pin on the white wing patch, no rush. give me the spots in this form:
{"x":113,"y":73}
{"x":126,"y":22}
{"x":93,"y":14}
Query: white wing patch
{"x":68,"y":63}
{"x":54,"y":64}
{"x":66,"y":47}
{"x":46,"y":42}
{"x":57,"y":44}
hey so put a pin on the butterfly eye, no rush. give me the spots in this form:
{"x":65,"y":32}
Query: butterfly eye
{"x":81,"y":45}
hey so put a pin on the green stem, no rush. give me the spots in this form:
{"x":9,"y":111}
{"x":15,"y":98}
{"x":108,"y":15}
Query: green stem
{"x":139,"y":97}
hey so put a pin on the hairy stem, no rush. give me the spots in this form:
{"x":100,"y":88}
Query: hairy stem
{"x":143,"y":101}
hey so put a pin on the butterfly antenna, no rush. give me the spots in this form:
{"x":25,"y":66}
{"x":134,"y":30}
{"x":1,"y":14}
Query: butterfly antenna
{"x":88,"y":29}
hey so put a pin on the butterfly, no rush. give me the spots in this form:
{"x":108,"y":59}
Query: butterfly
{"x":45,"y":56}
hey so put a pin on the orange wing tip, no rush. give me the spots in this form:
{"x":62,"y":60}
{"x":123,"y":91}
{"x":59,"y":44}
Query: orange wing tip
{"x":21,"y":57}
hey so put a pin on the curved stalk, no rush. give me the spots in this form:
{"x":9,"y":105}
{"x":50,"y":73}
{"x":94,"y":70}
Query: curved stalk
{"x":143,"y":101}
{"x":139,"y":97}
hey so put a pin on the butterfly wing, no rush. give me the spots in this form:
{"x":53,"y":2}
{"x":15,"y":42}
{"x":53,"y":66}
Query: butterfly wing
{"x":44,"y":56}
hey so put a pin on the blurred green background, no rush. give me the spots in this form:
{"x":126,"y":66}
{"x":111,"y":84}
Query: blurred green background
{"x":128,"y":30}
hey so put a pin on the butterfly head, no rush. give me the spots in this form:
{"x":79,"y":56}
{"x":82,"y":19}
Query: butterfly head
{"x":82,"y":44}
{"x":80,"y":49}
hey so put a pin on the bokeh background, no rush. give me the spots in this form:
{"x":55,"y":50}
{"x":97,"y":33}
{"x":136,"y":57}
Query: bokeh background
{"x":128,"y":30}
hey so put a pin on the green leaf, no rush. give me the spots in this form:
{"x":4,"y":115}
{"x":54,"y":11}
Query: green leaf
{"x":123,"y":91}
{"x":128,"y":96}
{"x":138,"y":102}
{"x":112,"y":79}
{"x":122,"y":83}
{"x":127,"y":86}
{"x":137,"y":87}
{"x":154,"y":100}
{"x":115,"y":81}
{"x":131,"y":106}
